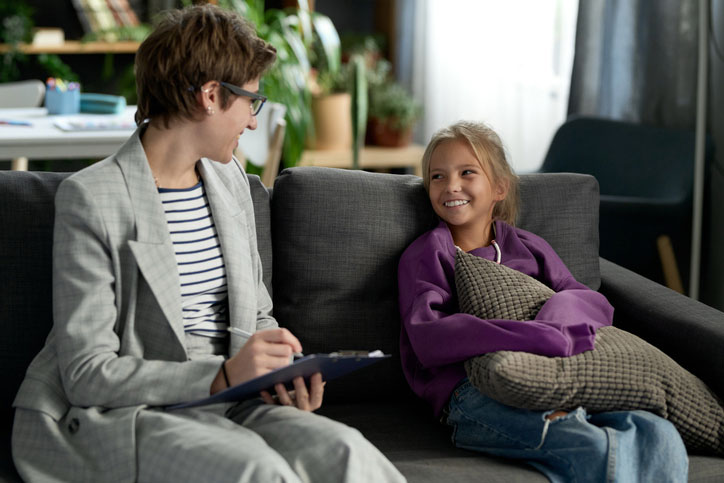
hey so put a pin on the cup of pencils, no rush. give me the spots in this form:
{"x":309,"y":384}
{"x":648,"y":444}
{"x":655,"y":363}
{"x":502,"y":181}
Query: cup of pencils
{"x":62,"y":97}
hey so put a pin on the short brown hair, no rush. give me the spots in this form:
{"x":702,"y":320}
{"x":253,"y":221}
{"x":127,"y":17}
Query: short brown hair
{"x":490,"y":153}
{"x":190,"y":47}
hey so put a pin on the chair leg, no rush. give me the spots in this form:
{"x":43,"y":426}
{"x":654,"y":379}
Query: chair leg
{"x":271,"y":166}
{"x":19,"y":164}
{"x":668,"y":264}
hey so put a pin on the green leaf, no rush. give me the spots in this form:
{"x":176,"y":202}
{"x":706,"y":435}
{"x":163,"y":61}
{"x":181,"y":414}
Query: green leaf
{"x":359,"y":108}
{"x":305,"y":22}
{"x":329,"y":40}
{"x":297,"y":47}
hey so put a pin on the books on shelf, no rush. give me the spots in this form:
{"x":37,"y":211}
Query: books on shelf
{"x":123,"y":13}
{"x":98,"y":16}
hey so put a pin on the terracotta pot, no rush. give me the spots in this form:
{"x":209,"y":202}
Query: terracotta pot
{"x":332,"y":121}
{"x":382,"y":133}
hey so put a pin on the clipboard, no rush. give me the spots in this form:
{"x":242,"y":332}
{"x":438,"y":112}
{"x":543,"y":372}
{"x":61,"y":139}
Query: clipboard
{"x":331,"y":366}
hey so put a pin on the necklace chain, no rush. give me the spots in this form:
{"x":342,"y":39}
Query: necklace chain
{"x":158,"y":185}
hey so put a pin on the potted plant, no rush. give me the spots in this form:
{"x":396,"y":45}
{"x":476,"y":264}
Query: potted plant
{"x":331,"y":107}
{"x":393,"y":113}
{"x":297,"y":34}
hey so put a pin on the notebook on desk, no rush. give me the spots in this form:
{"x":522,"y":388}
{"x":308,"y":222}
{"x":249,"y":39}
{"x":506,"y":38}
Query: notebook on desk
{"x":331,"y":366}
{"x":94,"y":123}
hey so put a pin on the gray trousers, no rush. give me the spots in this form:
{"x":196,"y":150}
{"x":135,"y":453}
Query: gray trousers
{"x":254,"y":442}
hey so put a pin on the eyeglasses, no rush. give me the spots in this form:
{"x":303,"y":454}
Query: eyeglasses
{"x":257,"y":100}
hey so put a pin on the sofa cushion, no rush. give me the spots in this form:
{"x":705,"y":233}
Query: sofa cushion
{"x":262,"y":218}
{"x":338,"y":236}
{"x":26,"y":238}
{"x":563,"y":209}
{"x":420,"y":447}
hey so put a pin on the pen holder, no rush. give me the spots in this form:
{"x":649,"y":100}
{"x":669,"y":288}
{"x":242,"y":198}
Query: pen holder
{"x":62,"y":102}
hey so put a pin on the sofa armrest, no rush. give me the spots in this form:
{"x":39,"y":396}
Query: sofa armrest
{"x":688,"y":331}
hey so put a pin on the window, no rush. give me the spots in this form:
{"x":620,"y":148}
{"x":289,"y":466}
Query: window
{"x":507,"y":63}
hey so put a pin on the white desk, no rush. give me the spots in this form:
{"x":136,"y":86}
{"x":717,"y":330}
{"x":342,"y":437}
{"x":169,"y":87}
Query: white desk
{"x":43,"y":140}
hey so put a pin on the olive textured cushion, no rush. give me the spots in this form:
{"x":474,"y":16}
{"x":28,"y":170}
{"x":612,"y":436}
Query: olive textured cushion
{"x":623,"y":372}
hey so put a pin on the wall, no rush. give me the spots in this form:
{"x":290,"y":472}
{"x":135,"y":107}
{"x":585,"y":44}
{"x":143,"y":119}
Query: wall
{"x":712,"y":292}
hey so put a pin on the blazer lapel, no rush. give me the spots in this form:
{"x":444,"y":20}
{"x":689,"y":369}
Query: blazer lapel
{"x":152,"y":249}
{"x":229,"y":220}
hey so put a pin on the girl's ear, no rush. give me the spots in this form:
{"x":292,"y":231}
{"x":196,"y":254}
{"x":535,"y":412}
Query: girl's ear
{"x":501,"y":189}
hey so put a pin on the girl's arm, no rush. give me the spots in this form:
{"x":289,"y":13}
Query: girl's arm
{"x":440,"y":335}
{"x":573,"y":302}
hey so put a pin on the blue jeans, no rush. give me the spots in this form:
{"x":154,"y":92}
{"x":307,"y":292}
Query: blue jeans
{"x":622,"y":446}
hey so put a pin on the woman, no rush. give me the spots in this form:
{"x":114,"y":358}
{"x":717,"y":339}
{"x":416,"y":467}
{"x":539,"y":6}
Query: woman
{"x":154,"y":259}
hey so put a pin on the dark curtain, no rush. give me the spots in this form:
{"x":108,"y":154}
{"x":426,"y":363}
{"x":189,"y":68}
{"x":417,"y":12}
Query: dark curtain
{"x":636,"y":60}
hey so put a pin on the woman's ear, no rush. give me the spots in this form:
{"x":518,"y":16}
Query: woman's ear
{"x":207,"y":98}
{"x":208,"y":94}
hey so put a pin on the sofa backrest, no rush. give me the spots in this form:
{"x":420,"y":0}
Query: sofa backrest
{"x":338,"y":236}
{"x":26,"y":216}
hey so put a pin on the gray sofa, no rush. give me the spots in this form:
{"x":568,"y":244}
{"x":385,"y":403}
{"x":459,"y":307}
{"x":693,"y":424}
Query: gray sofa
{"x":330,"y":241}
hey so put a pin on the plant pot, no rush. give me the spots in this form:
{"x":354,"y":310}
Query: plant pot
{"x":382,"y":133}
{"x":332,"y":121}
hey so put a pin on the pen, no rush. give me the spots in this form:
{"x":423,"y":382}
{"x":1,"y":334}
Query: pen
{"x":8,"y":122}
{"x":247,"y":334}
{"x":241,"y":332}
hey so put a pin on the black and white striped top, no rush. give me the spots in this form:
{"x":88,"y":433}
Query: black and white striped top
{"x":199,"y":258}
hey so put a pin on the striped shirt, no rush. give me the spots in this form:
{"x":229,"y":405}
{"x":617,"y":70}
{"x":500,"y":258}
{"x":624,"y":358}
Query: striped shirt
{"x":199,"y":258}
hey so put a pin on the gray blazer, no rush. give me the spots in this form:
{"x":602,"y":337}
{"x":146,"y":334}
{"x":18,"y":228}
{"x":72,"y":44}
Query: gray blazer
{"x":117,"y":343}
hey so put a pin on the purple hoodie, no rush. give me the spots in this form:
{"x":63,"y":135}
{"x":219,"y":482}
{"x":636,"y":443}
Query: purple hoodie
{"x":436,"y":338}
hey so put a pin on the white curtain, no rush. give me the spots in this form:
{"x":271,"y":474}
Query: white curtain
{"x":507,"y":63}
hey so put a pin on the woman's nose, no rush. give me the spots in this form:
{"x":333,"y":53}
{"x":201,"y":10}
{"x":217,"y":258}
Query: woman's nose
{"x":252,"y":123}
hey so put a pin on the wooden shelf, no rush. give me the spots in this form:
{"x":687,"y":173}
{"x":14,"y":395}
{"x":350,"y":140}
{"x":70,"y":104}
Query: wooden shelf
{"x":78,"y":47}
{"x":371,"y":157}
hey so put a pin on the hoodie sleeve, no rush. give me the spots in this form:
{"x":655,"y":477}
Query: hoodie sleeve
{"x":439,"y":334}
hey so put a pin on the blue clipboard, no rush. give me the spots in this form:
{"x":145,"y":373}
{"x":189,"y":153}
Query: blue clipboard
{"x":331,"y":366}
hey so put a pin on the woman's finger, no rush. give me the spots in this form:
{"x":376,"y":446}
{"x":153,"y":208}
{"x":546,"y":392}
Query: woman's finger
{"x":280,"y":336}
{"x":267,"y":397}
{"x":285,"y":399}
{"x":316,"y":391}
{"x":301,"y":395}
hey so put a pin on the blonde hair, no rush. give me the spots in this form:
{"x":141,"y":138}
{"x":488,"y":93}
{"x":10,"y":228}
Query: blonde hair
{"x":190,"y":47}
{"x":490,"y":153}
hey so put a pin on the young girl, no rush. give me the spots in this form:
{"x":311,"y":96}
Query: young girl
{"x":154,"y":259}
{"x":474,"y":192}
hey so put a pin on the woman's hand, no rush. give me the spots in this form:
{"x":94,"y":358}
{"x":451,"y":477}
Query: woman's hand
{"x":301,"y":397}
{"x":265,"y":351}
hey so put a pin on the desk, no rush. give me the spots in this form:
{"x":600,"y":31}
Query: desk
{"x":371,"y":157}
{"x":43,"y":140}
